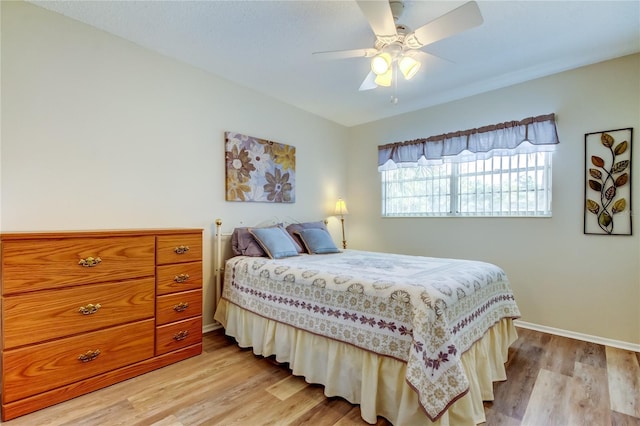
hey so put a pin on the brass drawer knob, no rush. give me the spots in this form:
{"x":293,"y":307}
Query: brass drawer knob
{"x":181,"y":307}
{"x":181,"y":335}
{"x":89,"y":355}
{"x":181,"y":249}
{"x":89,"y":262}
{"x":181,"y":278}
{"x":89,"y":309}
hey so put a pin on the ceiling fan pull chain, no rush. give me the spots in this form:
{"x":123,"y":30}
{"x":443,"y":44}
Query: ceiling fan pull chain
{"x":394,"y":96}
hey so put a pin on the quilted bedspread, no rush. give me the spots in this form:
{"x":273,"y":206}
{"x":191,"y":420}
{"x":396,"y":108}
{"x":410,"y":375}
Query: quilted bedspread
{"x":421,"y":310}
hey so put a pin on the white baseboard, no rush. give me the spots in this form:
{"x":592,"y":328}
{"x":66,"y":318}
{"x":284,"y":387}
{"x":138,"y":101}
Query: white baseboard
{"x":210,"y":327}
{"x":579,"y":336}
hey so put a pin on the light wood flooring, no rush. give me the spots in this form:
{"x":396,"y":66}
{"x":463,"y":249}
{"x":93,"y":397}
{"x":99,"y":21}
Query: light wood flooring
{"x":551,"y":381}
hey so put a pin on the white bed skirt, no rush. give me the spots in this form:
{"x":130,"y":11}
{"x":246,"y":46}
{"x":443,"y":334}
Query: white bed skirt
{"x":374,"y":382}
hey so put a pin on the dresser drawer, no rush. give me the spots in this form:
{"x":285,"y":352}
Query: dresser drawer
{"x":34,"y":369}
{"x":178,"y":335}
{"x":45,"y":315}
{"x":179,"y":277}
{"x":178,"y":248}
{"x":178,"y":306}
{"x":29,"y":265}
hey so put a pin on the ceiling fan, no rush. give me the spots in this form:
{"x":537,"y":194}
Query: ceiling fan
{"x":396,"y":46}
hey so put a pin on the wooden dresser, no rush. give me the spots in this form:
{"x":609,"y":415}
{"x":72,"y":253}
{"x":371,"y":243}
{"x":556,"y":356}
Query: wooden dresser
{"x":87,"y":309}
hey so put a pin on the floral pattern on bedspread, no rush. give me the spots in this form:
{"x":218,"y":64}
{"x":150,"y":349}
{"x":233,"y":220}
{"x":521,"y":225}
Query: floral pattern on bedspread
{"x":424,"y":311}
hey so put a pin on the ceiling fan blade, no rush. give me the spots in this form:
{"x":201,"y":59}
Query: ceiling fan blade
{"x":458,"y":20}
{"x":380,"y":18}
{"x":369,"y":82}
{"x":426,"y":57}
{"x":345,"y":54}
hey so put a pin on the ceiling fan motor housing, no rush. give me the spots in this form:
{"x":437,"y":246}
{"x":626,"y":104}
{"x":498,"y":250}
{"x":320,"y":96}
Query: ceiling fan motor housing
{"x":402,"y":31}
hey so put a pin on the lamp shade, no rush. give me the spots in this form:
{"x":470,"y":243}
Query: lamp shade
{"x":384,"y":79}
{"x":381,"y":63}
{"x":341,"y":207}
{"x":408,"y":66}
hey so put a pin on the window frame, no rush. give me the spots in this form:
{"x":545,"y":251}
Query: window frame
{"x":455,"y":194}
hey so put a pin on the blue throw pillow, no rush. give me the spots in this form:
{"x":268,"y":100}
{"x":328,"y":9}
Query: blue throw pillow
{"x":318,"y":241}
{"x":295,"y":228}
{"x":275,"y":242}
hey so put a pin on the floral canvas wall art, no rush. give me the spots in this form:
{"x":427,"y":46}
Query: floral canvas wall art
{"x":259,"y":170}
{"x":608,"y":182}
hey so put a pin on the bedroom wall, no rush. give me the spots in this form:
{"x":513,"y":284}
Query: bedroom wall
{"x":100,"y":133}
{"x":561,"y":278}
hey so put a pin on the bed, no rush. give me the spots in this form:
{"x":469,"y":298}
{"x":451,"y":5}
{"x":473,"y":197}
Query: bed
{"x":413,"y":339}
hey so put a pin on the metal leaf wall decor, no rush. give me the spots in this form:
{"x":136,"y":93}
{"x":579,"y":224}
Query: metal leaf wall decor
{"x":608,"y":182}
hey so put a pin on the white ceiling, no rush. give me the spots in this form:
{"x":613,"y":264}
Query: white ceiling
{"x":267,"y":46}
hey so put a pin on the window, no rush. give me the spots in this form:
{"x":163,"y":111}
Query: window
{"x":497,"y":170}
{"x":516,"y":185}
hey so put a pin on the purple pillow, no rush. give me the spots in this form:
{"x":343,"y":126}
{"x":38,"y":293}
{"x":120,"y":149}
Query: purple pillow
{"x":243,"y":243}
{"x":295,"y":228}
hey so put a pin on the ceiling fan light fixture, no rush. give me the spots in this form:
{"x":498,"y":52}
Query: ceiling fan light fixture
{"x":409,"y":66}
{"x":381,"y":63}
{"x":384,"y":79}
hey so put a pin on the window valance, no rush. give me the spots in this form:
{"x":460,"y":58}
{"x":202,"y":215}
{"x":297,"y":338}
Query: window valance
{"x":532,"y":134}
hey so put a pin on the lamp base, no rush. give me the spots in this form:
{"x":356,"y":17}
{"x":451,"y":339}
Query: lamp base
{"x":344,"y":241}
